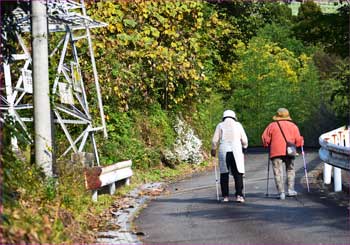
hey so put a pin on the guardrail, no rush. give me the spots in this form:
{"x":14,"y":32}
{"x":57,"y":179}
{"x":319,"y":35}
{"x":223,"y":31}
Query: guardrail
{"x":335,"y":152}
{"x":97,"y":177}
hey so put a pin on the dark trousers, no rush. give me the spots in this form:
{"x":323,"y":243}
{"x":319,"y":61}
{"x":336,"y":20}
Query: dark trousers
{"x":224,"y":178}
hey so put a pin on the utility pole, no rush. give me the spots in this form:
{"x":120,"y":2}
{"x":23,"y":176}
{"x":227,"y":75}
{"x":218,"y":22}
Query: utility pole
{"x":41,"y":87}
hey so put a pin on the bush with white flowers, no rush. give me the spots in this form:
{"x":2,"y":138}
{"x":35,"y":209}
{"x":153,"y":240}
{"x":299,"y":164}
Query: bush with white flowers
{"x":187,"y":146}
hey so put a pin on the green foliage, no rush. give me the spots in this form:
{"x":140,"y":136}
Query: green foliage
{"x":139,"y":135}
{"x":309,"y":10}
{"x":268,"y":77}
{"x":50,"y":188}
{"x":327,"y":64}
{"x":206,"y":116}
{"x":159,"y":59}
{"x":39,"y":210}
{"x":334,"y":84}
{"x":23,"y":182}
{"x":307,"y":27}
{"x":312,"y":25}
{"x":146,"y":58}
{"x":157,"y":51}
{"x":284,"y":37}
{"x":13,"y":168}
{"x":250,"y":16}
{"x":336,"y":90}
{"x":168,"y":53}
{"x":122,"y":146}
{"x":278,"y":13}
{"x":337,"y":28}
{"x":159,"y":132}
{"x":8,"y":26}
{"x":14,"y":183}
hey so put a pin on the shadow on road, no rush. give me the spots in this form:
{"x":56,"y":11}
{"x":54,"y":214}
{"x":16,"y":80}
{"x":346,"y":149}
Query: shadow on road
{"x":292,"y":211}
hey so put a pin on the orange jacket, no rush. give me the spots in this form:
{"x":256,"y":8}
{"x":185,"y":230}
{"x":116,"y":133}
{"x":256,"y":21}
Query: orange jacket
{"x":273,"y":138}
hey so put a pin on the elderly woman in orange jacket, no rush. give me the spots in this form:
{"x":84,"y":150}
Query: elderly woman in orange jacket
{"x":274,"y":139}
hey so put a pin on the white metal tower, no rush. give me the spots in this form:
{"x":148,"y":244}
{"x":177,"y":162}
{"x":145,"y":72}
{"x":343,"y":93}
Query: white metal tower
{"x":68,"y":22}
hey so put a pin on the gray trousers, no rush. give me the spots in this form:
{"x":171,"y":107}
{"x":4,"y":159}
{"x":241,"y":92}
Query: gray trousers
{"x":277,"y":165}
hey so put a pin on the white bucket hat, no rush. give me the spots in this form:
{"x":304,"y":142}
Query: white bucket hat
{"x":229,"y":113}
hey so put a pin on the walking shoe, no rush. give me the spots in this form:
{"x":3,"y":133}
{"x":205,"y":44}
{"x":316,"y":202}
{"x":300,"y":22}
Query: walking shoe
{"x":225,"y":199}
{"x":292,"y":193}
{"x":282,"y":196}
{"x":240,"y":199}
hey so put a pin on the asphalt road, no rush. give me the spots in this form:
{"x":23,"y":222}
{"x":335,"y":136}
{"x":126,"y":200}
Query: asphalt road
{"x":189,"y":213}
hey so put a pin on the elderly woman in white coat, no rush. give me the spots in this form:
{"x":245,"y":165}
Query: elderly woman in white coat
{"x":230,"y":138}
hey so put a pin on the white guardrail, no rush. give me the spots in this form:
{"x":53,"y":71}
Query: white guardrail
{"x":335,"y":152}
{"x":97,"y":177}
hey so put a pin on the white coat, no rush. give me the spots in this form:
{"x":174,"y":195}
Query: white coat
{"x":230,"y":136}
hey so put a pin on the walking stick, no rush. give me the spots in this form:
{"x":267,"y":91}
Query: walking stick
{"x":268,"y":174}
{"x":244,"y":185}
{"x":216,"y":181}
{"x":244,"y":177}
{"x":307,"y":180}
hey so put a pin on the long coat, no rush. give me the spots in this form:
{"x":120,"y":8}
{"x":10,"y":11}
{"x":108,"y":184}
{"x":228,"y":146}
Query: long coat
{"x":230,"y":136}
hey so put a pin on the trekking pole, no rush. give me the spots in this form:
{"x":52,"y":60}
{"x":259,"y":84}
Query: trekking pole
{"x":245,"y":158}
{"x":244,"y":186}
{"x":216,"y":181}
{"x":268,"y":174}
{"x":307,"y":180}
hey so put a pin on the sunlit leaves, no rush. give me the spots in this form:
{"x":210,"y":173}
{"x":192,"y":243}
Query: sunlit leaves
{"x":268,"y":77}
{"x":166,"y":45}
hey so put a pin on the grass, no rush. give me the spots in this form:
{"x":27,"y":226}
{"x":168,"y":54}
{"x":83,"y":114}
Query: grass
{"x":66,"y":214}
